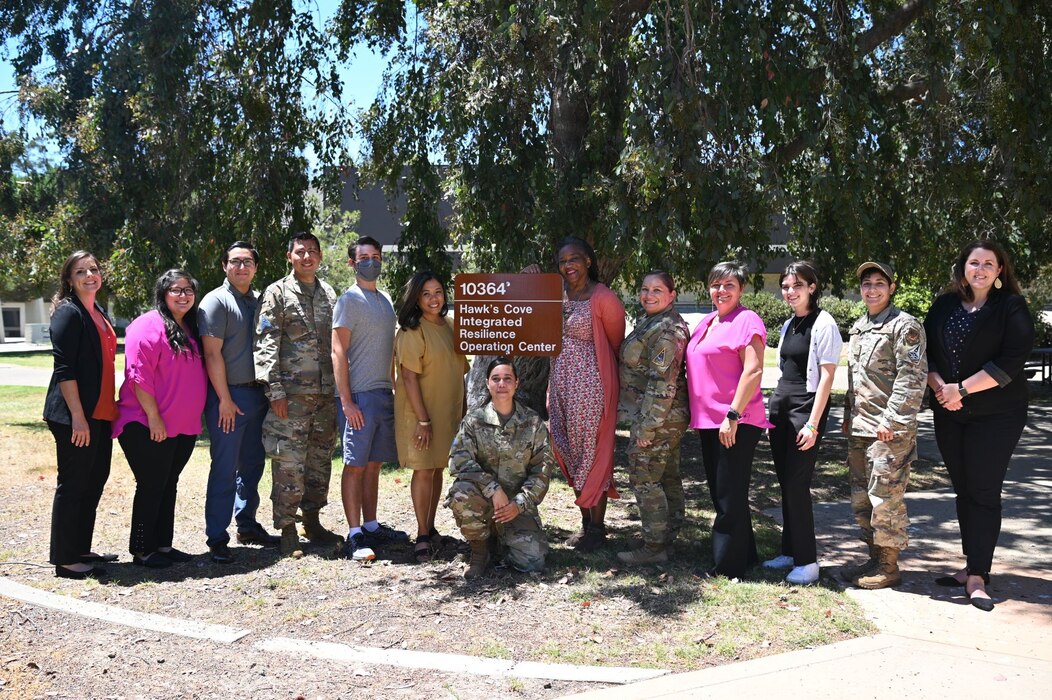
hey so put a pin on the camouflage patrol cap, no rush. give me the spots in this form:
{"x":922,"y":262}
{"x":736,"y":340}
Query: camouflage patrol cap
{"x":883,"y":268}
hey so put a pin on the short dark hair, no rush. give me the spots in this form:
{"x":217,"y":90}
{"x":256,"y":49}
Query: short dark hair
{"x":497,"y":362}
{"x":1009,"y":283}
{"x":409,"y":313}
{"x":304,"y":236}
{"x":225,"y":257}
{"x":807,"y":272}
{"x":728,"y":268}
{"x":583,"y":246}
{"x":352,"y":249}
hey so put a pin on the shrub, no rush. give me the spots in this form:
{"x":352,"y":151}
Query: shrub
{"x":913,"y":298}
{"x":771,"y":310}
{"x":844,"y":312}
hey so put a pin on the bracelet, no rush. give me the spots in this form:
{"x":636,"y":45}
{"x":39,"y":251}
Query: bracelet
{"x":810,"y":426}
{"x":424,"y":422}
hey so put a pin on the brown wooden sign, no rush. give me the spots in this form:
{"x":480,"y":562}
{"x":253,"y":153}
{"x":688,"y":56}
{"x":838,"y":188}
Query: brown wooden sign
{"x":508,"y":314}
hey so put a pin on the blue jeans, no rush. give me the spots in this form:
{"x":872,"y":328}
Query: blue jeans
{"x":237,"y":463}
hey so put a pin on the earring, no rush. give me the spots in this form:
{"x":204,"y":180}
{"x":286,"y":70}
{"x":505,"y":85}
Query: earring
{"x":997,"y":283}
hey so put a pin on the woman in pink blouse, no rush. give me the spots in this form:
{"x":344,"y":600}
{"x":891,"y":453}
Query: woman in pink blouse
{"x":724,"y":368}
{"x":160,"y":408}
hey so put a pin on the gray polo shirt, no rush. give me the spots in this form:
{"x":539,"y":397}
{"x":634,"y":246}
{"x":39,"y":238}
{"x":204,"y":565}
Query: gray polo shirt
{"x":370,"y":318}
{"x":228,"y":314}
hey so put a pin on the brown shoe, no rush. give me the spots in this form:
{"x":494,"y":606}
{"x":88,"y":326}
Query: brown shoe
{"x":479,"y":560}
{"x":290,"y":542}
{"x":645,"y":555}
{"x":851,"y":573}
{"x":314,"y":531}
{"x":885,"y":574}
{"x":574,"y":539}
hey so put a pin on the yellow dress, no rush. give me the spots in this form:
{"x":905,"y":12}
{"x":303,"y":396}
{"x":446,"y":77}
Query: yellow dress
{"x":428,"y":351}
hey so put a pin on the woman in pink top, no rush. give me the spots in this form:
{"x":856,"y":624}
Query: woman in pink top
{"x":160,"y":408}
{"x":724,"y":368}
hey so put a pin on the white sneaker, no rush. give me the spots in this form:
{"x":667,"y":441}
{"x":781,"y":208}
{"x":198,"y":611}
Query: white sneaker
{"x":779,"y":562}
{"x":803,"y":575}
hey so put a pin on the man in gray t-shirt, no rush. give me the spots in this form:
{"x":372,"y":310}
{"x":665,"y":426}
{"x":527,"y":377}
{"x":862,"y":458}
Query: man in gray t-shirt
{"x":363,"y":327}
{"x":235,"y":407}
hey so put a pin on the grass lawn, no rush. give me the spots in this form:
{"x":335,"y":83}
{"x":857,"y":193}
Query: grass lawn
{"x":43,"y":359}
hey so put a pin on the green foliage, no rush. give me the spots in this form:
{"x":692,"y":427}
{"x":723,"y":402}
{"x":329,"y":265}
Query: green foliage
{"x":673,"y":134}
{"x":913,"y":298}
{"x":183,"y":127}
{"x":337,"y":230}
{"x":844,"y":312}
{"x":771,"y":309}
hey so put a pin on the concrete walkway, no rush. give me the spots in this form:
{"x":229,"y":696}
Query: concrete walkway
{"x":932,"y":642}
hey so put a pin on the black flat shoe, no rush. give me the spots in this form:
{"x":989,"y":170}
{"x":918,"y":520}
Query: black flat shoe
{"x":63,"y":572}
{"x":952,"y":582}
{"x":157,"y":560}
{"x":984,"y":604}
{"x":104,"y":558}
{"x":176,"y":556}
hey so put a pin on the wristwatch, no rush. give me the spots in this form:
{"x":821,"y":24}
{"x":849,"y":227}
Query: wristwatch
{"x":733,"y":415}
{"x":961,"y":389}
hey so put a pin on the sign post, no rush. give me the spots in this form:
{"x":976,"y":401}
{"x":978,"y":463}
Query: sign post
{"x":508,"y":314}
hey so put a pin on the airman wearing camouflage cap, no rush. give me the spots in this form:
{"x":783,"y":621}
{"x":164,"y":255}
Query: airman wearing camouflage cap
{"x":887,"y":373}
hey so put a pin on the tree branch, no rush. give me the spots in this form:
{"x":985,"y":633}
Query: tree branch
{"x":892,"y":25}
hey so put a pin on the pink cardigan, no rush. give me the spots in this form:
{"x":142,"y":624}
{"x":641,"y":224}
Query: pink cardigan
{"x":608,"y":332}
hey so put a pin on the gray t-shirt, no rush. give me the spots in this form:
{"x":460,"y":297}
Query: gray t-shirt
{"x":229,"y":315}
{"x":370,"y":318}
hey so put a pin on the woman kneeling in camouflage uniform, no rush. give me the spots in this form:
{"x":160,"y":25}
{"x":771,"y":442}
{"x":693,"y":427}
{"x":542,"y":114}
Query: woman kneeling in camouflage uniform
{"x":654,"y":400}
{"x":501,"y":464}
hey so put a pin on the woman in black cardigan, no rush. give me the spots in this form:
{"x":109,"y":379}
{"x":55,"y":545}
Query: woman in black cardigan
{"x":78,"y":409}
{"x":980,"y":334}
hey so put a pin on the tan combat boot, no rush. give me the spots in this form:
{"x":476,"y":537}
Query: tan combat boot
{"x":479,"y":560}
{"x":851,"y":573}
{"x":314,"y":531}
{"x":645,"y":555}
{"x":885,"y":574}
{"x":290,"y":542}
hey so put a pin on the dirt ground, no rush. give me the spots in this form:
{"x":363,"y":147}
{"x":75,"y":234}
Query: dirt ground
{"x":584,"y":609}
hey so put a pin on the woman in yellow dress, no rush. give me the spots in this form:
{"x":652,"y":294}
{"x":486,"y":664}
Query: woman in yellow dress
{"x":429,"y":399}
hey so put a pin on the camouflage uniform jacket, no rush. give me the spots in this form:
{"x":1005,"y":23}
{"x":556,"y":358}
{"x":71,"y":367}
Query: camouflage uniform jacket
{"x":294,"y":339}
{"x":516,"y":457}
{"x":887,"y":373}
{"x":653,"y":383}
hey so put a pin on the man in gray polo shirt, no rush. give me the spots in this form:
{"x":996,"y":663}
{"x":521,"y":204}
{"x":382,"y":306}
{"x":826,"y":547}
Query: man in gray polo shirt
{"x":363,"y":327}
{"x":235,"y":407}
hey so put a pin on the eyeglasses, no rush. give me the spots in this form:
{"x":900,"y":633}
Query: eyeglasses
{"x":181,"y":292}
{"x":247,"y":263}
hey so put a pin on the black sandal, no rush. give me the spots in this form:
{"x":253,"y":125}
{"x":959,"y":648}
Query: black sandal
{"x":438,"y":541}
{"x":422,"y":549}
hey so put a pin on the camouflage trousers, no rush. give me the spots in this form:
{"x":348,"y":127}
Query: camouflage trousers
{"x":879,"y":472}
{"x":300,"y":451}
{"x":523,"y":537}
{"x":653,"y":474}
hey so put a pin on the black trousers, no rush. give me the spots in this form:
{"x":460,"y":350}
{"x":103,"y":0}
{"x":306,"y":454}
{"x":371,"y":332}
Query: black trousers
{"x":790,"y":407}
{"x":156,"y":466}
{"x":728,"y":472}
{"x":82,"y":474}
{"x":976,"y":450}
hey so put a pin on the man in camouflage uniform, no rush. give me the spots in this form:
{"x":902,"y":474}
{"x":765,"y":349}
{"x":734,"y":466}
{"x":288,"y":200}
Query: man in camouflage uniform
{"x":887,"y":372}
{"x":511,"y":457}
{"x":654,"y":400}
{"x":292,"y":356}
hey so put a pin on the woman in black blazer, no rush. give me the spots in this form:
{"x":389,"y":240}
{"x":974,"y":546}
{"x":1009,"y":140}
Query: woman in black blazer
{"x":980,"y":334}
{"x":78,"y":409}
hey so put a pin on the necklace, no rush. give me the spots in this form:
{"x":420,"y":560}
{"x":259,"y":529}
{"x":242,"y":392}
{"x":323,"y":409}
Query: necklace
{"x":974,"y":306}
{"x":797,"y":322}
